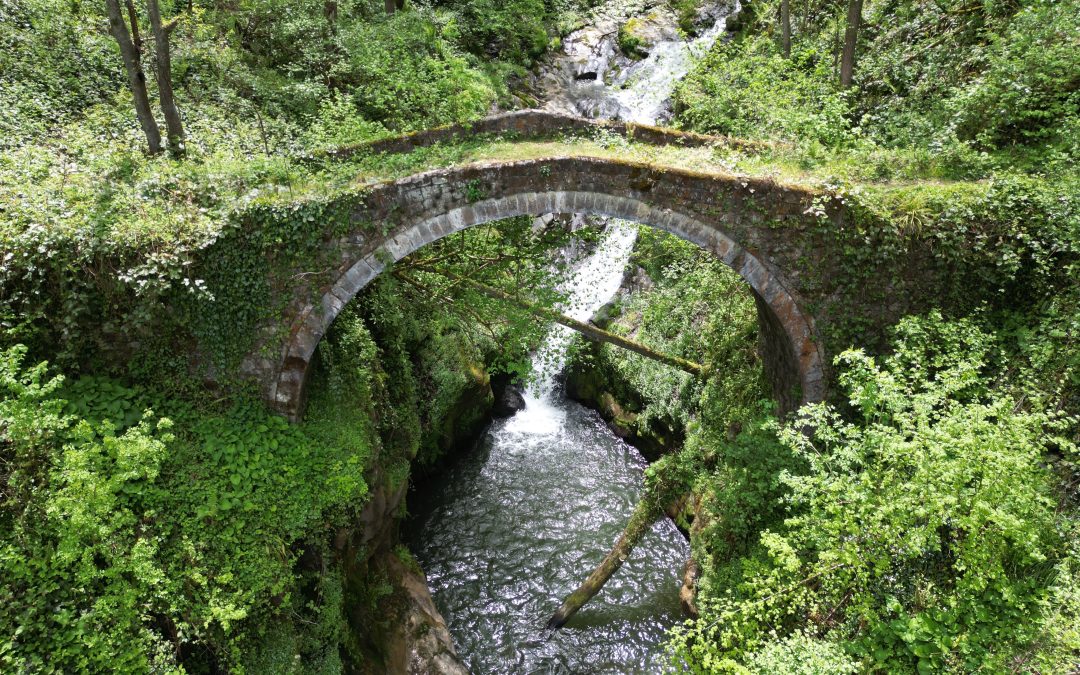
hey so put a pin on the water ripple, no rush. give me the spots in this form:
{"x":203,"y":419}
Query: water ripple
{"x":513,"y":527}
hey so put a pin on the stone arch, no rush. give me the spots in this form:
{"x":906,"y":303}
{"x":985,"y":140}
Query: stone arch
{"x":793,"y":357}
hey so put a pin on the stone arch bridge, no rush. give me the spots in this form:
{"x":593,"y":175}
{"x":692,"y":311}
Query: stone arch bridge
{"x":764,"y":230}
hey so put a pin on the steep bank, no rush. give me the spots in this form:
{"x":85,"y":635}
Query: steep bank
{"x":679,"y":300}
{"x":437,"y":396}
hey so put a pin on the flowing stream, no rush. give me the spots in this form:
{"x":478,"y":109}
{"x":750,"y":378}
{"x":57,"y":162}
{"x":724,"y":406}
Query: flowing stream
{"x":513,"y":526}
{"x":518,"y":523}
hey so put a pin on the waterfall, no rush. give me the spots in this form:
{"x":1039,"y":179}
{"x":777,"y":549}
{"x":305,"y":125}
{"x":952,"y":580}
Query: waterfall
{"x":592,"y":283}
{"x":592,"y":78}
{"x":646,"y":91}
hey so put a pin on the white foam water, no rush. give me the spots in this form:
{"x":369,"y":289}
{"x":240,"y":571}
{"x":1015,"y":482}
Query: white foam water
{"x":593,"y":282}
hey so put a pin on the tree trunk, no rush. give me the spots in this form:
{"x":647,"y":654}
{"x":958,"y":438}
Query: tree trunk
{"x":785,"y":27}
{"x":645,"y":514}
{"x":851,"y":36}
{"x":174,"y":128}
{"x":133,"y":19}
{"x":391,"y":6}
{"x":586,"y":329}
{"x":136,"y":76}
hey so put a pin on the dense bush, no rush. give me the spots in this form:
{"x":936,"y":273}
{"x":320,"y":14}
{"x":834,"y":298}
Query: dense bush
{"x":132,"y":540}
{"x":53,"y":65}
{"x":692,"y":307}
{"x":922,"y":532}
{"x":928,"y":75}
{"x":746,"y":89}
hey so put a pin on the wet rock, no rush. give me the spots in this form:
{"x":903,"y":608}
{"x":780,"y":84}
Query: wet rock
{"x":508,"y":396}
{"x":636,"y":280}
{"x":604,"y":316}
{"x":421,"y":644}
{"x":688,"y":592}
{"x":639,"y":35}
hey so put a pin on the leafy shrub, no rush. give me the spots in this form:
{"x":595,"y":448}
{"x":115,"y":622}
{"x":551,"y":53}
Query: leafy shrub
{"x":801,"y":654}
{"x":1031,"y":86}
{"x":629,"y":42}
{"x":405,"y":74}
{"x":53,"y":65}
{"x":922,"y":534}
{"x":511,"y":30}
{"x":124,"y":534}
{"x":746,"y":89}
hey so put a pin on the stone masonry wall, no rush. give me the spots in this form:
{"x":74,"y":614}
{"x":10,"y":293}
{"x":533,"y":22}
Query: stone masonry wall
{"x":762,"y":229}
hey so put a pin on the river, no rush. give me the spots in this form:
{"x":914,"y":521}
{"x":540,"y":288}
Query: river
{"x":514,"y":525}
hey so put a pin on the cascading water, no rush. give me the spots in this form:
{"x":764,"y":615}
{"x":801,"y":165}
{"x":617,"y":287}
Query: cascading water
{"x":645,"y":88}
{"x":591,"y":78}
{"x":591,"y":284}
{"x":512,"y":527}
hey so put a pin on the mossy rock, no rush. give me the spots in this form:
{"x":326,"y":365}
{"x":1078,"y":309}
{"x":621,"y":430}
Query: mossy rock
{"x":632,"y":40}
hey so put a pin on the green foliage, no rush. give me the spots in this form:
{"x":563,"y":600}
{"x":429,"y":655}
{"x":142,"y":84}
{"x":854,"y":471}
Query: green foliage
{"x":699,"y":310}
{"x":687,"y":11}
{"x":404,"y":73}
{"x":746,"y":89}
{"x":801,"y":654}
{"x":148,"y":527}
{"x":512,"y":30}
{"x":948,"y":536}
{"x":935,"y":76}
{"x":997,"y":74}
{"x":629,"y":42}
{"x":54,"y":64}
{"x":117,"y":522}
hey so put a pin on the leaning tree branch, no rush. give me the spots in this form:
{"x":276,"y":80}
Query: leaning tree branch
{"x":586,"y":329}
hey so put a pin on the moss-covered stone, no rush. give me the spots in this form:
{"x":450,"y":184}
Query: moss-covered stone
{"x":593,"y":383}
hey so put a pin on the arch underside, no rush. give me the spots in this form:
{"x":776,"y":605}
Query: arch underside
{"x":805,"y":362}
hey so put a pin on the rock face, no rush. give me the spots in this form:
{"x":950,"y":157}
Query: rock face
{"x":639,"y":35}
{"x":401,"y":633}
{"x":508,"y":396}
{"x":421,"y":644}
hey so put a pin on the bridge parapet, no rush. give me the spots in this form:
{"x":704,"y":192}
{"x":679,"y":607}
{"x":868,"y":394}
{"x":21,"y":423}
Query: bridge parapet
{"x":533,"y":124}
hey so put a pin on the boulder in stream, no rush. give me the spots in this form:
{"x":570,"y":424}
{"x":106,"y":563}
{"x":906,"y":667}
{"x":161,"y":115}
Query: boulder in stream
{"x":508,"y":396}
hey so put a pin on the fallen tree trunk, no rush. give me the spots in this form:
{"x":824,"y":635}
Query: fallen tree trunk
{"x":645,"y":514}
{"x":586,"y":329}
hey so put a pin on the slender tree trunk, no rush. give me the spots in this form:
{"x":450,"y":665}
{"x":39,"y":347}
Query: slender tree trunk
{"x":391,"y":6}
{"x":174,"y":128}
{"x":133,"y":19}
{"x":851,"y":36}
{"x":785,"y":27}
{"x":645,"y":514}
{"x":136,"y":76}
